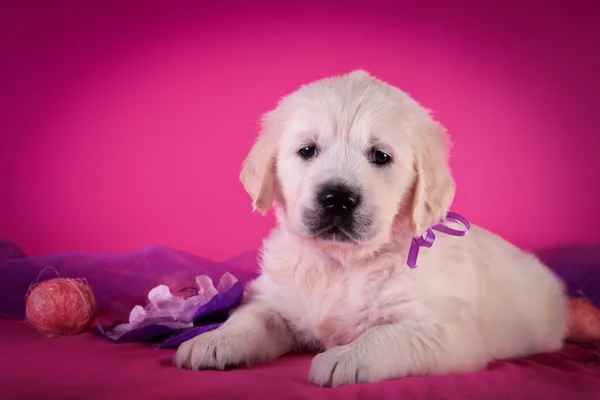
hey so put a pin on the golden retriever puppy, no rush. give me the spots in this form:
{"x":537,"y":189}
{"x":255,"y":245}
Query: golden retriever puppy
{"x":355,"y":169}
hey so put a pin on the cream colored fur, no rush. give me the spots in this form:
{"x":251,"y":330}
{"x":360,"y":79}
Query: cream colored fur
{"x":471,"y":299}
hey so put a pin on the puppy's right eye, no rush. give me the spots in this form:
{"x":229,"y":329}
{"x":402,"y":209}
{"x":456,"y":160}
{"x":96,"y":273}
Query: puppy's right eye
{"x":308,"y":152}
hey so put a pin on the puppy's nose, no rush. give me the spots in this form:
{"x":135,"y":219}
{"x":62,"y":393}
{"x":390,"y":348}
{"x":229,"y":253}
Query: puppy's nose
{"x":338,"y":200}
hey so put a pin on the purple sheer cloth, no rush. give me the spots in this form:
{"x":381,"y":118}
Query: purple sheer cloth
{"x":578,"y":266}
{"x":122,"y":281}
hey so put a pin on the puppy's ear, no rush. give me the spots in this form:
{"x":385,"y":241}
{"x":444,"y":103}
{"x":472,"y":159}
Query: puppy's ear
{"x":258,"y":170}
{"x":434,"y":187}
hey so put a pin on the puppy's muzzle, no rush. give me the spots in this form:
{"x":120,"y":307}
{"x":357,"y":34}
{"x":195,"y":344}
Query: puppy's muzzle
{"x":338,"y":200}
{"x":336,"y":216}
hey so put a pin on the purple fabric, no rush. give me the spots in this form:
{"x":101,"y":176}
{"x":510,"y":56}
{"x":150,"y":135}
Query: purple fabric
{"x":133,"y":371}
{"x":208,"y":317}
{"x":10,"y":250}
{"x":122,"y":281}
{"x":578,"y":266}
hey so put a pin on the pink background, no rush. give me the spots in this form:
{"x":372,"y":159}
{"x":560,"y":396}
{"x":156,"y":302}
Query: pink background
{"x":125,"y":124}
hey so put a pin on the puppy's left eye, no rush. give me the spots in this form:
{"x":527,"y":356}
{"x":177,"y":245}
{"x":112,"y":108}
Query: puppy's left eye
{"x":308,"y":152}
{"x":379,"y":157}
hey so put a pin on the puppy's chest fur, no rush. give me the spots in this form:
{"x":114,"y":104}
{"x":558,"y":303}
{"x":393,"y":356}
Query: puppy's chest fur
{"x":327,"y":304}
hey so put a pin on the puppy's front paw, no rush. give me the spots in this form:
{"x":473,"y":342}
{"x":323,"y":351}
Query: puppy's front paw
{"x":218,"y":349}
{"x":345,"y":365}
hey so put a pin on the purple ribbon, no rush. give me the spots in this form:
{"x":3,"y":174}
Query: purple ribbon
{"x":429,"y":237}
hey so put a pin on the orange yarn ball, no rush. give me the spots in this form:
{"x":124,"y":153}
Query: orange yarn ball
{"x":584,"y":322}
{"x":61,"y":307}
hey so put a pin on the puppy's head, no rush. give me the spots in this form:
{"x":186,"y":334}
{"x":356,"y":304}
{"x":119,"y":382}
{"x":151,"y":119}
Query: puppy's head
{"x":350,"y":160}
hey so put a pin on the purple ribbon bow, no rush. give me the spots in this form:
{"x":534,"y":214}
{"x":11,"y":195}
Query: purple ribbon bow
{"x":429,"y":237}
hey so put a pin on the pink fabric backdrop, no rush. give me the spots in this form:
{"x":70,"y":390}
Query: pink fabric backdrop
{"x":125,"y":124}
